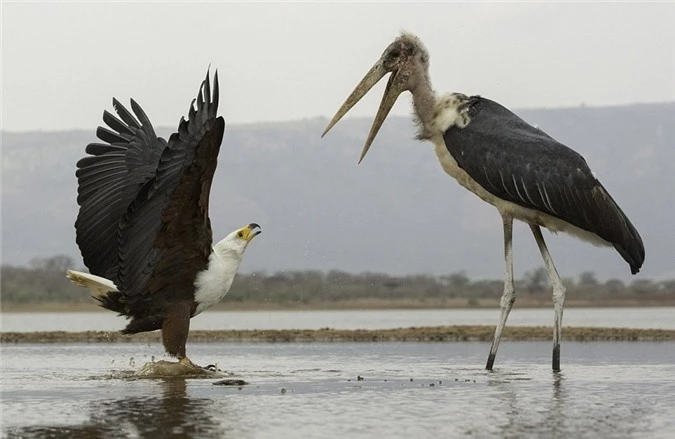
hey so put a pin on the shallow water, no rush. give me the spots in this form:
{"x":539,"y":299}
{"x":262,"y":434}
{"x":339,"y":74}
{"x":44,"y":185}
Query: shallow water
{"x":606,"y":390}
{"x":638,"y":318}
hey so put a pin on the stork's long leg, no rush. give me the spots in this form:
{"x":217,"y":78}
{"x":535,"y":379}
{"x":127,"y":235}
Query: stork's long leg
{"x":509,"y":294}
{"x":558,"y":294}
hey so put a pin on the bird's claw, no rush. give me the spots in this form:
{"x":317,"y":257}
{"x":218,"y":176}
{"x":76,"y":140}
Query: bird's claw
{"x":185,"y":361}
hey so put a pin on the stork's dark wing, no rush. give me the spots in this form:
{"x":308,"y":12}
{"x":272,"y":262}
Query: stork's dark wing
{"x":165,"y":236}
{"x":521,"y":164}
{"x":109,"y":180}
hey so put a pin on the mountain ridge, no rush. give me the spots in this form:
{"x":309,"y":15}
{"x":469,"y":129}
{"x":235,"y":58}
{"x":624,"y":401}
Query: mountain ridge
{"x":397,"y":212}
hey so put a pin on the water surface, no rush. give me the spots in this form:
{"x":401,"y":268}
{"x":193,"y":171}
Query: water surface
{"x":637,"y":318}
{"x":420,"y":390}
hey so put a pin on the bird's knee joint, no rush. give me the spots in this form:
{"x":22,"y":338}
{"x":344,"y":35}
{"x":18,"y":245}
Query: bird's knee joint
{"x":508,"y":298}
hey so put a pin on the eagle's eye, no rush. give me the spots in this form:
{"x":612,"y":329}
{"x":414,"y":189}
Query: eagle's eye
{"x":240,"y":234}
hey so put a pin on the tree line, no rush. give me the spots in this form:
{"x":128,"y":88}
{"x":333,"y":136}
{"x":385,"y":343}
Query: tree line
{"x":43,"y":280}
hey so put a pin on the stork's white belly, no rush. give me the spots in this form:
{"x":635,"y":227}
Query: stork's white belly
{"x":507,"y":208}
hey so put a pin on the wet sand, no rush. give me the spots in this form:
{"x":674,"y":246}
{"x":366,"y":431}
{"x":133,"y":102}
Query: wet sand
{"x":438,"y":333}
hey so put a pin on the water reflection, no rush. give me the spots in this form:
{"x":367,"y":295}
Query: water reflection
{"x":508,"y":404}
{"x":557,"y":414}
{"x":570,"y":409}
{"x":171,"y":413}
{"x":536,"y":413}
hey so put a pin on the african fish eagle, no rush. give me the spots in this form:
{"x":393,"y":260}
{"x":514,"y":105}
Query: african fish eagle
{"x":143,"y":226}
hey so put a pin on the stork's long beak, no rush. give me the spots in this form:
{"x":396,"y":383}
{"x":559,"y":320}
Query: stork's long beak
{"x":395,"y":86}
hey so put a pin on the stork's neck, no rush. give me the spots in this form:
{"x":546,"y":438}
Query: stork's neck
{"x":424,"y":102}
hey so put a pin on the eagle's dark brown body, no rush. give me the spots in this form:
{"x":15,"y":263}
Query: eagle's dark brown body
{"x":143,"y":221}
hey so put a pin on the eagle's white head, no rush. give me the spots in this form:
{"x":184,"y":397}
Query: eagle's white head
{"x":212,"y":284}
{"x":234,"y":244}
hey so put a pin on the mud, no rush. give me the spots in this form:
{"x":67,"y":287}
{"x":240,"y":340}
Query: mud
{"x":439,"y":333}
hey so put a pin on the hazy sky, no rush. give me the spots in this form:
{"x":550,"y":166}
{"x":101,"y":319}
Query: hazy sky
{"x":62,"y":63}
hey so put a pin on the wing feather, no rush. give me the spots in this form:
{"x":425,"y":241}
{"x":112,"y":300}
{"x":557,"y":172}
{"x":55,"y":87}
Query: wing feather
{"x":125,"y":115}
{"x":108,"y":180}
{"x":118,"y":127}
{"x":110,"y":136}
{"x":97,"y":149}
{"x":498,"y":149}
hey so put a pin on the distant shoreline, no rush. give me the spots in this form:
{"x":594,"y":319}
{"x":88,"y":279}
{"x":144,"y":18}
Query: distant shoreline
{"x":414,"y":334}
{"x":365,"y":304}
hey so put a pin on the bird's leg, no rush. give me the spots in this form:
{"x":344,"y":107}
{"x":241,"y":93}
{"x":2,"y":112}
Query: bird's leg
{"x":509,"y":294}
{"x":558,"y":294}
{"x":175,"y":329}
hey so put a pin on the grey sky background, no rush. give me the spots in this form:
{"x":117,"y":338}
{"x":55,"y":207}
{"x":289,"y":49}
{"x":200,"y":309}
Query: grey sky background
{"x":62,"y":63}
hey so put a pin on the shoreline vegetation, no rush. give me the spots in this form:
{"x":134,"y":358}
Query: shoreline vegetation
{"x":42,"y":287}
{"x":414,"y":334}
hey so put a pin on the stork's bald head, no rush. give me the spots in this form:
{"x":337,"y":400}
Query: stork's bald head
{"x":407,"y":60}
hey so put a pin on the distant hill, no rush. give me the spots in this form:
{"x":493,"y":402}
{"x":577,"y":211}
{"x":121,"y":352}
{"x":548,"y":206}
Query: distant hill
{"x":396,"y":213}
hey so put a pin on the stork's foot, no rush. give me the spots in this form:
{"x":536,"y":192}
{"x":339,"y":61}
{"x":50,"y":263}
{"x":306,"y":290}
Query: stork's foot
{"x":490,"y":361}
{"x":556,"y":358}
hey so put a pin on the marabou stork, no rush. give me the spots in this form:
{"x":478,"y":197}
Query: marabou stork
{"x":519,"y":169}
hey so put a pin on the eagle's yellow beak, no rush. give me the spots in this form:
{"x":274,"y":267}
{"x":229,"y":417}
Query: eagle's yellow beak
{"x":249,"y":232}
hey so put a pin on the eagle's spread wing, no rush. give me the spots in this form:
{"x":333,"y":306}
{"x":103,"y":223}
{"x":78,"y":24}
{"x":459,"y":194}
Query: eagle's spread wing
{"x":165,"y":235}
{"x":519,"y":163}
{"x":109,"y":180}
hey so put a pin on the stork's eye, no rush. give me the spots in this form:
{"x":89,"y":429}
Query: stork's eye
{"x":395,"y":53}
{"x":239,"y":234}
